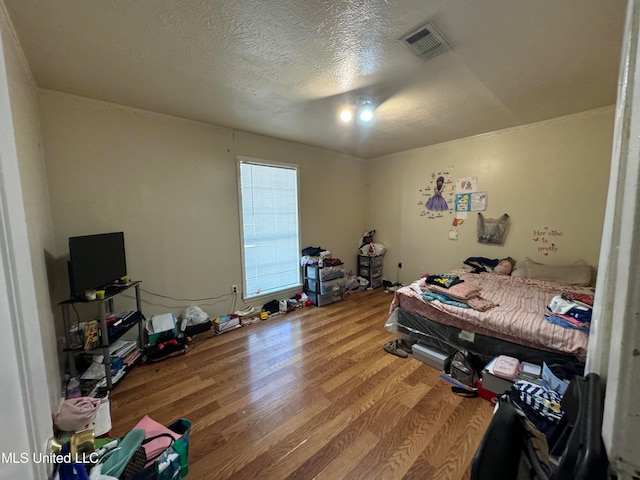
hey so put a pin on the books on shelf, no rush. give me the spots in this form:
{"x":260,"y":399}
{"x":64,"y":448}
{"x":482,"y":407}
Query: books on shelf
{"x":117,"y":319}
{"x":94,"y":372}
{"x":127,"y":351}
{"x":91,"y":335}
{"x":120,"y":348}
{"x":132,"y":357}
{"x":115,"y":377}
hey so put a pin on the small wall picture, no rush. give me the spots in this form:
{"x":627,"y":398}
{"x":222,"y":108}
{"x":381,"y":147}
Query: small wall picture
{"x":471,"y":202}
{"x":466,"y":184}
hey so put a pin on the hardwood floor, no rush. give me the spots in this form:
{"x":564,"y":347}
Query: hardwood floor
{"x":308,"y":395}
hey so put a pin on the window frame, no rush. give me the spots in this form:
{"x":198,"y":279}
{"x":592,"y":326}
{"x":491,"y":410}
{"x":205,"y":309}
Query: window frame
{"x":266,"y":163}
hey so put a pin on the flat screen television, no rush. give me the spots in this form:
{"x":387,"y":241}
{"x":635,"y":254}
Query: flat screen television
{"x":95,"y":261}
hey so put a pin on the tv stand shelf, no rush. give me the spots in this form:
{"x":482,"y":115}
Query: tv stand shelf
{"x":109,"y":333}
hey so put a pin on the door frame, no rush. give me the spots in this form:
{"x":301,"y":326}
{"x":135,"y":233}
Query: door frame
{"x":25,"y":396}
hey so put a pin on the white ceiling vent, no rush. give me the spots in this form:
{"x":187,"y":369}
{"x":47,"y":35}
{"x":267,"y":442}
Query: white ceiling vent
{"x":426,"y":41}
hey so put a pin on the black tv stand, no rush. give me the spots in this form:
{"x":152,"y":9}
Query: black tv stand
{"x":109,"y":333}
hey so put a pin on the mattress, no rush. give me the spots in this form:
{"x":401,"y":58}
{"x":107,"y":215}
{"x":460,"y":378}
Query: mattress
{"x":518,"y":317}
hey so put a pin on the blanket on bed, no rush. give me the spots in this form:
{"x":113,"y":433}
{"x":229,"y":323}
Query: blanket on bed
{"x":518,"y":315}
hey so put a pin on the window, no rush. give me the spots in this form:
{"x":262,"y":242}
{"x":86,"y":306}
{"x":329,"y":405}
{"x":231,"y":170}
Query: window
{"x":270,"y":232}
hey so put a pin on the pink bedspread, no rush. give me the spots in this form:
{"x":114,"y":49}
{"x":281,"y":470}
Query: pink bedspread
{"x":518,"y":318}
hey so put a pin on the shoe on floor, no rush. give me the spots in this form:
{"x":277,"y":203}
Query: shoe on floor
{"x":394,"y":348}
{"x":405,"y":345}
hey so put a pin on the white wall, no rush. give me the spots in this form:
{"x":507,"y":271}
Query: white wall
{"x":615,"y":333}
{"x":27,"y":347}
{"x":547,"y":176}
{"x":33,"y":176}
{"x":171,"y":186}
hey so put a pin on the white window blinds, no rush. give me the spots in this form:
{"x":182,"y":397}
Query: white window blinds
{"x":270,"y":231}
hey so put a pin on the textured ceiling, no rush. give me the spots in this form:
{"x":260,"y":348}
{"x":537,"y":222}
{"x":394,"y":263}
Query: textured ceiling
{"x":282,"y":68}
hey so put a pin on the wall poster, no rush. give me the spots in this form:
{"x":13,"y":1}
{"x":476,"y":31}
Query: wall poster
{"x":438,"y":196}
{"x":471,"y":202}
{"x":466,"y":184}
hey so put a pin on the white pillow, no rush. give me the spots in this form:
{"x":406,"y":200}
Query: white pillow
{"x":578,"y":273}
{"x":519,"y":272}
{"x":521,"y":269}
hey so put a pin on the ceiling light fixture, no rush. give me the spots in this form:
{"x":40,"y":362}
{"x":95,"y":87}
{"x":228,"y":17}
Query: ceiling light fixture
{"x":346,"y":115}
{"x":365,"y":111}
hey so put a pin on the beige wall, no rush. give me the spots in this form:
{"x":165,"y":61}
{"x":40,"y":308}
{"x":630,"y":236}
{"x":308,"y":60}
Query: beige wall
{"x":33,"y":175}
{"x":552,"y":174}
{"x":171,"y":186}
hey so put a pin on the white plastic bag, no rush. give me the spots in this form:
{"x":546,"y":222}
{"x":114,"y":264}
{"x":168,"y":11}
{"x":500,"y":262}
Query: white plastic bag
{"x":493,"y":230}
{"x":373,"y":249}
{"x":193,"y":316}
{"x":96,"y":474}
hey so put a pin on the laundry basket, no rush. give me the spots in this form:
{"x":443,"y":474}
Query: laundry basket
{"x":173,"y":463}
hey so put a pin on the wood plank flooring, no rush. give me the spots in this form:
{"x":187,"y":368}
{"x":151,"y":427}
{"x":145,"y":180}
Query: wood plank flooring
{"x":306,"y":395}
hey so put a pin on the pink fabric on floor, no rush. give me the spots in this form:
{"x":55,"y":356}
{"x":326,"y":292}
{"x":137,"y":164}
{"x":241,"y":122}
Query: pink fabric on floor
{"x":152,"y":428}
{"x":76,"y":413}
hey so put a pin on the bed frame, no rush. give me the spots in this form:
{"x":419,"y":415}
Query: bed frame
{"x":448,"y":339}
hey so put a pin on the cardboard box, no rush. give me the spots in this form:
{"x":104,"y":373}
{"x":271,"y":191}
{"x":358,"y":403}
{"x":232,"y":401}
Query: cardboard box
{"x":488,"y":395}
{"x":225,"y":323}
{"x":495,"y":384}
{"x":162,"y":326}
{"x":492,"y":382}
{"x":428,"y":355}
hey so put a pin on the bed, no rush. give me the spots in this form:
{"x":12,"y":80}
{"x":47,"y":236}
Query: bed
{"x":515,"y":326}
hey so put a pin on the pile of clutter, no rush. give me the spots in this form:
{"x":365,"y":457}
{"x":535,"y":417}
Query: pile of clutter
{"x":318,"y":256}
{"x":195,"y":320}
{"x":571,"y":310}
{"x":369,"y":247}
{"x":275,"y":307}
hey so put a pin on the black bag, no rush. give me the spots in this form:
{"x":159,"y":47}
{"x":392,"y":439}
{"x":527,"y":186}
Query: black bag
{"x":272,"y":307}
{"x":139,"y":458}
{"x":463,"y":368}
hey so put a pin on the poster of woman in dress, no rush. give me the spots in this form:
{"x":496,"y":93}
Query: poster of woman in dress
{"x":437,"y":202}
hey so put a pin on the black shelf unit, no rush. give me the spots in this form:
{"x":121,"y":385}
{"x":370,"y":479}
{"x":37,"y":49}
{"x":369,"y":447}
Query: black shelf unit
{"x":109,"y":334}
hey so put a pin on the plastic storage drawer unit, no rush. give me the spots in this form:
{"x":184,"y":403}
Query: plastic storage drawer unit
{"x":367,"y":261}
{"x":337,"y":284}
{"x":429,"y":356}
{"x":370,"y":268}
{"x":325,"y":273}
{"x":322,"y":299}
